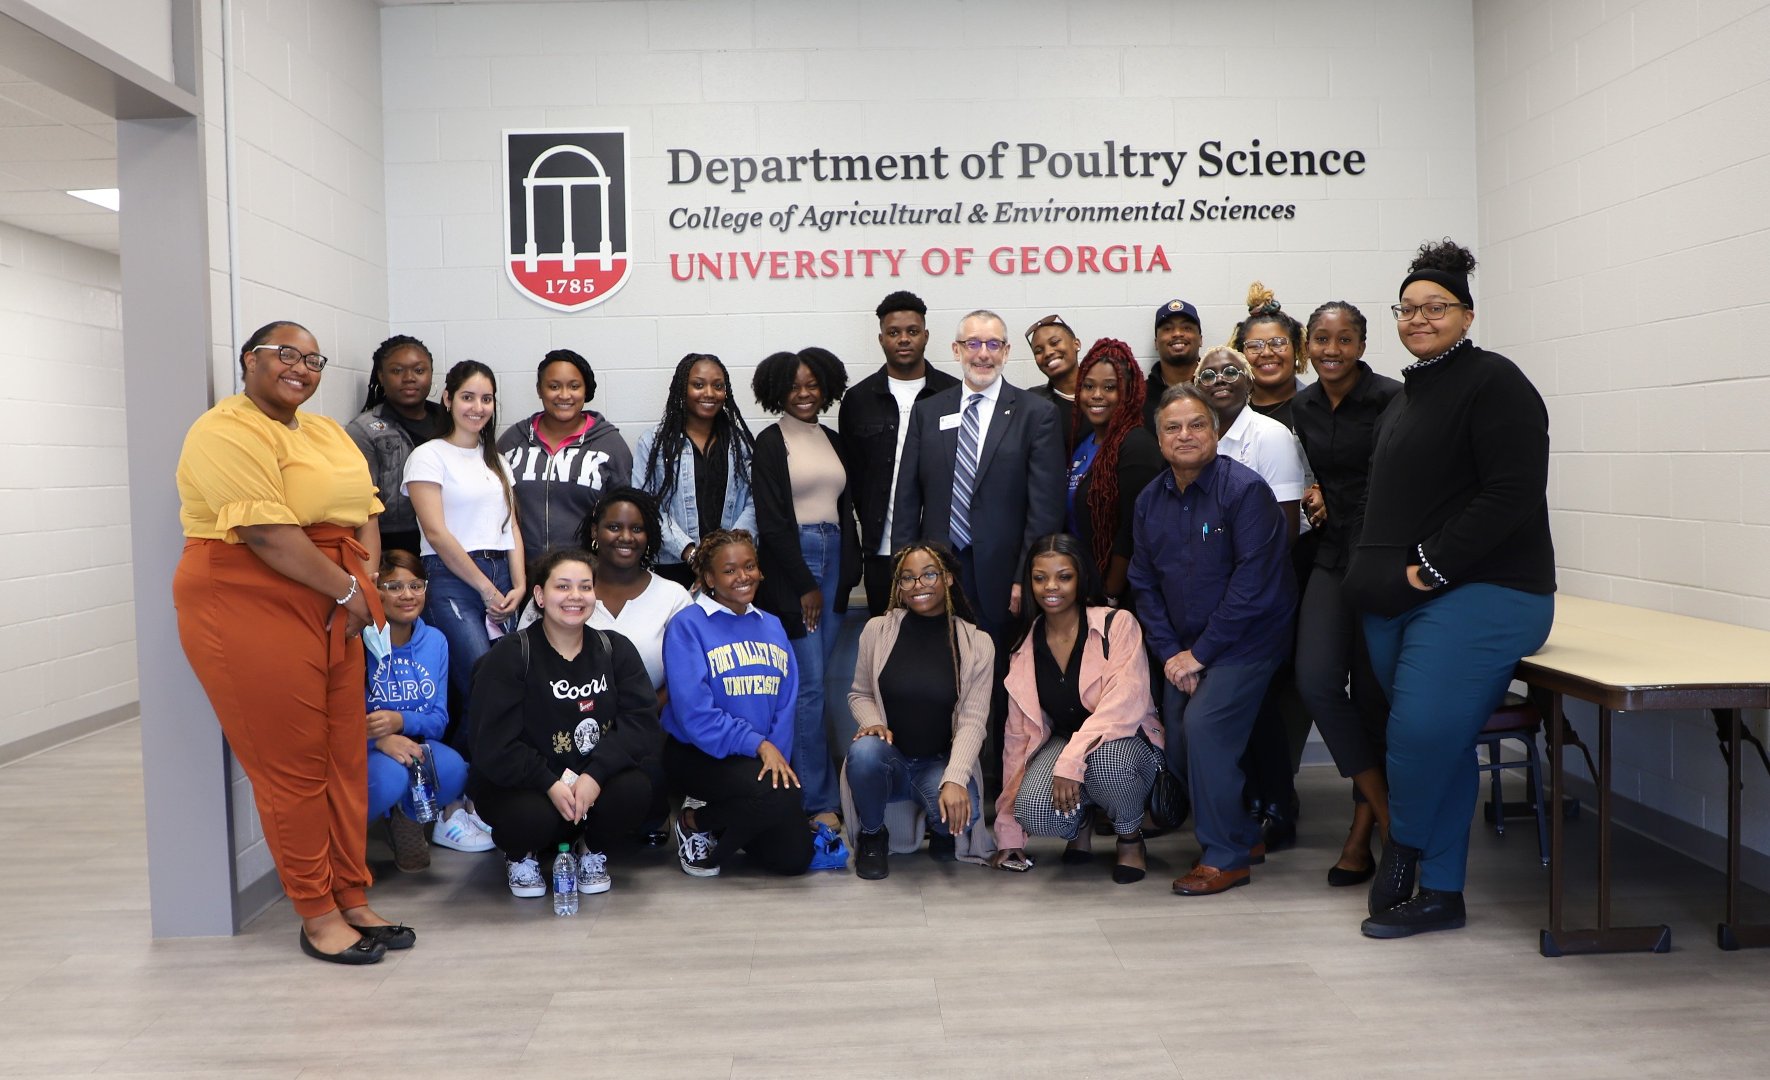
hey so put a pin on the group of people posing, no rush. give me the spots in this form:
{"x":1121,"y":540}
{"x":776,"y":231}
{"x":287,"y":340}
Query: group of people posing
{"x":1094,"y":600}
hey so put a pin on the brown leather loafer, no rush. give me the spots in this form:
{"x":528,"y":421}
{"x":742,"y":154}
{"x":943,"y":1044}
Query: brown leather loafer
{"x":1208,"y":880}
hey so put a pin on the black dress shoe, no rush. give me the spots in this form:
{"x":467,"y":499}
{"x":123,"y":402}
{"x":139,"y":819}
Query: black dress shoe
{"x":1339,"y":877}
{"x":1393,"y":882}
{"x":872,"y":855}
{"x":399,"y":936}
{"x":365,"y":951}
{"x":1429,"y":911}
{"x":1278,"y":827}
{"x":943,"y":848}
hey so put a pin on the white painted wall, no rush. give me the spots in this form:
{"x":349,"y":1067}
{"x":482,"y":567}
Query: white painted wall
{"x":1624,"y":156}
{"x":312,"y":235}
{"x":67,"y":613}
{"x":759,"y":77}
{"x":140,"y":30}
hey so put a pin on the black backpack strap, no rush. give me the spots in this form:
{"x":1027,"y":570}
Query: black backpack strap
{"x":523,"y":636}
{"x":1106,"y":636}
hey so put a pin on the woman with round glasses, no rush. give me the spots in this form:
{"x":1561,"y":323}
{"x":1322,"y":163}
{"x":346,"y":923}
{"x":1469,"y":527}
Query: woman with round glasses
{"x":921,"y":702}
{"x":1272,"y":341}
{"x":273,"y":590}
{"x":1456,"y":568}
{"x":697,"y":463}
{"x":1055,"y":349}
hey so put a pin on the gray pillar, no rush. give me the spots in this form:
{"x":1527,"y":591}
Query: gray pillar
{"x":164,"y":229}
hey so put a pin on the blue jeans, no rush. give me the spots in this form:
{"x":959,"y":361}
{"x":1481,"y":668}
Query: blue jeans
{"x":1207,"y":732}
{"x":822,"y":547}
{"x":879,"y":773}
{"x":390,"y":783}
{"x":456,"y":608}
{"x":1445,"y":666}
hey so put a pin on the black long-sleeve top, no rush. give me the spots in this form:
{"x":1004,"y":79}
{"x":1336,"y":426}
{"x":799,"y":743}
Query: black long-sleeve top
{"x":1339,"y":443}
{"x":1140,"y":461}
{"x":1458,"y":483}
{"x":595,"y":713}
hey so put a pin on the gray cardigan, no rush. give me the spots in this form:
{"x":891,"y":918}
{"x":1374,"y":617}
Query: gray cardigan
{"x":977,"y":656}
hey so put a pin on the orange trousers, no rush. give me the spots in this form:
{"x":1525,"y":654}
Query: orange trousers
{"x":289,"y":695}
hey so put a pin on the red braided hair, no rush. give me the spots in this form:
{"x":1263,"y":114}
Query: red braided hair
{"x":1102,"y":499}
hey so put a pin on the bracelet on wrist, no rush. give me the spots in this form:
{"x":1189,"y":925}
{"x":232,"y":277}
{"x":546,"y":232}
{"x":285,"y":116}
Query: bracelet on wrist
{"x":350,"y":594}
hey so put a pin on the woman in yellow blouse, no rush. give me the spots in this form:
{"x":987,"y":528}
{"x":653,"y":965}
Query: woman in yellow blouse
{"x":274,"y":588}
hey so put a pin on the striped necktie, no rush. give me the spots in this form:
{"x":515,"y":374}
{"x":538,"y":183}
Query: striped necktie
{"x":965,"y":475}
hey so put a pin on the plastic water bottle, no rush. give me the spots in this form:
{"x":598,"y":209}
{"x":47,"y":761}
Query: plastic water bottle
{"x":565,"y":882}
{"x":423,"y":786}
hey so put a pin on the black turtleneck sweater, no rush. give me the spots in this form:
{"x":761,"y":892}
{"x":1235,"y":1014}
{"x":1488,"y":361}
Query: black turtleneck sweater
{"x":1458,"y":481}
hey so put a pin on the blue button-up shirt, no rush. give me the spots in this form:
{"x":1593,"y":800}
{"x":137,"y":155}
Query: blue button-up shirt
{"x":1211,"y":567}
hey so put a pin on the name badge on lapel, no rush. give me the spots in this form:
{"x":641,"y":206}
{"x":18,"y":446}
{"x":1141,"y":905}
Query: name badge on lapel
{"x":949,"y":421}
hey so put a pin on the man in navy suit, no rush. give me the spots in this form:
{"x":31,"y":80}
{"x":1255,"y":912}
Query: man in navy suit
{"x":983,"y":471}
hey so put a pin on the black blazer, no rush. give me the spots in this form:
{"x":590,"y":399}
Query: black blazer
{"x":868,"y":418}
{"x":785,"y":577}
{"x":1018,"y":496}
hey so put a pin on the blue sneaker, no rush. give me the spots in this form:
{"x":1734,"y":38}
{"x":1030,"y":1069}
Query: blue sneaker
{"x":828,"y":852}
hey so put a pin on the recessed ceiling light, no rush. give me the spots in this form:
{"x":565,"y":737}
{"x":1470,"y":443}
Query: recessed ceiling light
{"x":104,"y":196}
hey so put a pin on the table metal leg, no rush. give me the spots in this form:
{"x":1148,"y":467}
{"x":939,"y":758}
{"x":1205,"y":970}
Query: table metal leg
{"x":1732,"y":934}
{"x":1556,"y":940}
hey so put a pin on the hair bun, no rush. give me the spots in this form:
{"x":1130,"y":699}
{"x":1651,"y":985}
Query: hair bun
{"x":1444,"y":255}
{"x":1261,"y":300}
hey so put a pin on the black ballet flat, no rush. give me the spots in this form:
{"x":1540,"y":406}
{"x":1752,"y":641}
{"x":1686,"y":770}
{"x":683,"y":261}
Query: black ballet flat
{"x":395,"y":937}
{"x":1339,"y":877}
{"x":365,"y":951}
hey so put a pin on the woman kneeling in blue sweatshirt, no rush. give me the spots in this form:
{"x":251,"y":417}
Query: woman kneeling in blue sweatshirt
{"x":561,"y":717}
{"x":408,"y":708}
{"x":733,"y":688}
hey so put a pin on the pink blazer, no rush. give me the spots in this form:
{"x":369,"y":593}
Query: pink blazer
{"x":1115,"y":691}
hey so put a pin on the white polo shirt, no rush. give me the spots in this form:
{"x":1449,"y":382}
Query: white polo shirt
{"x":1267,"y":447}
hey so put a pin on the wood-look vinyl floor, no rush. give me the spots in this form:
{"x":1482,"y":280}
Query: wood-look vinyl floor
{"x":937,"y":971}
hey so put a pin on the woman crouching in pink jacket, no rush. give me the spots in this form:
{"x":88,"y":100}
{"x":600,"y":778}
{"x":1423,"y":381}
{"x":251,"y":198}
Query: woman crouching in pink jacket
{"x":1081,"y":735}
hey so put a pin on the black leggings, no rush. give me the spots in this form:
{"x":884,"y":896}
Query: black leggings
{"x":1330,"y":653}
{"x":742,"y":812}
{"x":526,"y":821}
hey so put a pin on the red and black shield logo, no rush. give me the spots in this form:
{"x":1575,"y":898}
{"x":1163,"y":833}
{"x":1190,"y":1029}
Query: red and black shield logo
{"x":566,"y":214}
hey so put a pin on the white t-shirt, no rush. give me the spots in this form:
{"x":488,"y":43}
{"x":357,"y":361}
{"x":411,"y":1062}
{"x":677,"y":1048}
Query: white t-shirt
{"x":1267,"y":447}
{"x":474,"y":507}
{"x":905,"y":391}
{"x":642,"y":620}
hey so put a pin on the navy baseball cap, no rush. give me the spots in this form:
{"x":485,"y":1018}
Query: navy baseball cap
{"x":1177,"y":309}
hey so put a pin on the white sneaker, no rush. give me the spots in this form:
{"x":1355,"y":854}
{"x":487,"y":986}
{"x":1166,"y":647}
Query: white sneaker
{"x":694,"y":850}
{"x":525,"y":877}
{"x":477,"y":821}
{"x":460,"y":832}
{"x":593,"y":873}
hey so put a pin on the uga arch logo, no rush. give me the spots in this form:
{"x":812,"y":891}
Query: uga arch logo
{"x":566,"y":214}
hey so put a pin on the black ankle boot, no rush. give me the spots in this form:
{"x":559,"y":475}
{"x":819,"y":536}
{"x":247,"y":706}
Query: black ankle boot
{"x":1430,"y":910}
{"x":1394,"y":882}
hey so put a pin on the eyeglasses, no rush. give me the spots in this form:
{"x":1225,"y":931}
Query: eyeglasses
{"x":1258,"y":345}
{"x":926,"y":577}
{"x":1049,"y":320}
{"x":1432,"y":312}
{"x":398,"y":588}
{"x":289,"y":354}
{"x":976,"y":345}
{"x":1212,"y":376}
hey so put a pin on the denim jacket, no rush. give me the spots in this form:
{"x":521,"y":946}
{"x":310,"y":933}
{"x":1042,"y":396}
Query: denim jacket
{"x":681,"y":517}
